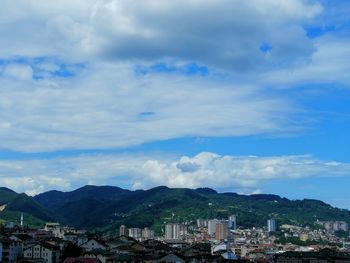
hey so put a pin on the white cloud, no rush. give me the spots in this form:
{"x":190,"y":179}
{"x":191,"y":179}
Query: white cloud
{"x":220,"y":33}
{"x":328,"y":64}
{"x":102,"y":108}
{"x":17,"y":72}
{"x":238,"y":173}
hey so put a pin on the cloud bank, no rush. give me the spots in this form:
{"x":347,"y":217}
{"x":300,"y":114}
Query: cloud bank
{"x":118,"y":73}
{"x":234,"y":173}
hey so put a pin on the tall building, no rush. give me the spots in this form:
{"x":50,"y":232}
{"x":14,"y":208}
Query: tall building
{"x":232,"y":222}
{"x":123,"y":231}
{"x":168,"y":231}
{"x":221,"y":230}
{"x":147,"y":233}
{"x":174,"y":230}
{"x":202,"y":223}
{"x":135,"y":233}
{"x":340,"y":226}
{"x":271,"y":225}
{"x":212,"y":226}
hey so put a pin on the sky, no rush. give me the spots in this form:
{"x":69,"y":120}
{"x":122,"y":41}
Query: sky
{"x":240,"y":96}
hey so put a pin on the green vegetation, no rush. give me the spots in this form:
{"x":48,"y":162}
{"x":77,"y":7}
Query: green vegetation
{"x":342,"y":234}
{"x":14,"y":203}
{"x":13,"y":216}
{"x":106,"y":208}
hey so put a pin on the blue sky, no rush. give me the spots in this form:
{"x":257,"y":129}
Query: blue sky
{"x":241,"y":96}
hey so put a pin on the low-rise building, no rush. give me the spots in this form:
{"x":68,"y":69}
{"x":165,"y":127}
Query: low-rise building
{"x":49,"y":253}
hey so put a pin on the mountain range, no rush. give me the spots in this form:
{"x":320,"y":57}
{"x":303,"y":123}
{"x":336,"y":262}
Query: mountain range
{"x":107,"y":207}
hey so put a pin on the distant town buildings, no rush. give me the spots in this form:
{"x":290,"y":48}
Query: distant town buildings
{"x":189,"y":241}
{"x":175,"y":230}
{"x":147,"y":233}
{"x":334,"y":225}
{"x":135,"y":232}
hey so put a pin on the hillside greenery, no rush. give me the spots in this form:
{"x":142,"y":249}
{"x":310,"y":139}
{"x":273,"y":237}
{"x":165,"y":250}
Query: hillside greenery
{"x":107,"y":207}
{"x":90,"y":207}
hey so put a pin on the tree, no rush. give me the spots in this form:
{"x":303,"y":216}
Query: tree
{"x":71,"y":250}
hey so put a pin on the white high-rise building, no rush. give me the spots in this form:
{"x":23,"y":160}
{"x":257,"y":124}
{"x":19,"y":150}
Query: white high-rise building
{"x":271,"y":225}
{"x":168,"y":231}
{"x":135,"y":232}
{"x":175,"y":231}
{"x":232,"y":222}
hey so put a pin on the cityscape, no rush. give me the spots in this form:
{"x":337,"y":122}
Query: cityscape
{"x":204,"y":240}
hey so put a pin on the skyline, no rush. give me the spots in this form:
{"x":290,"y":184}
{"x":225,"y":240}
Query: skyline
{"x":246,"y":97}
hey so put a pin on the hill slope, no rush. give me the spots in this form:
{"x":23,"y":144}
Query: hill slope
{"x":108,"y":207}
{"x":12,"y":204}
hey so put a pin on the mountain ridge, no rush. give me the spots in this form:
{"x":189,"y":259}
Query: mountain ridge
{"x":107,"y":207}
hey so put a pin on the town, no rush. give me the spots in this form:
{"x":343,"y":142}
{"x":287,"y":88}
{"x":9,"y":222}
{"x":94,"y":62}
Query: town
{"x":203,"y":240}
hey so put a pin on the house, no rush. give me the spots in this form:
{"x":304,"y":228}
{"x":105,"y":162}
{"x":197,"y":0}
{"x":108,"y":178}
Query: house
{"x":48,"y":252}
{"x":93,"y":244}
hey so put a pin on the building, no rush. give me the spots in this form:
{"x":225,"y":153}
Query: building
{"x":172,"y":231}
{"x":340,"y":226}
{"x":202,"y":223}
{"x":123,"y":230}
{"x":175,"y":231}
{"x":147,"y":233}
{"x":10,"y":250}
{"x":93,"y":244}
{"x":271,"y":225}
{"x":47,"y":252}
{"x":54,"y":228}
{"x":221,"y":231}
{"x":335,"y":225}
{"x":135,"y":232}
{"x":232,"y":222}
{"x":212,"y":226}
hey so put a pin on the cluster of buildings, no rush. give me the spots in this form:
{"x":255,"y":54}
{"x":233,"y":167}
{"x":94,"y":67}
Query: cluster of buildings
{"x":136,"y":233}
{"x":334,"y":225}
{"x":203,"y":240}
{"x":56,"y":244}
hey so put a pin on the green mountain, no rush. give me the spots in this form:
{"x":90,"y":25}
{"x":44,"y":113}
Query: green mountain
{"x":13,"y":204}
{"x":107,"y":207}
